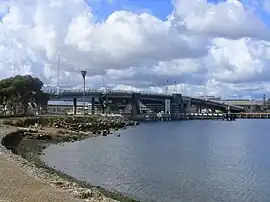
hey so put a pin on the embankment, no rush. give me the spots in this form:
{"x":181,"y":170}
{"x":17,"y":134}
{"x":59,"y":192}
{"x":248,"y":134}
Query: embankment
{"x":27,"y":138}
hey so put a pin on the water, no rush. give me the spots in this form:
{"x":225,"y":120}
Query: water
{"x":198,"y":161}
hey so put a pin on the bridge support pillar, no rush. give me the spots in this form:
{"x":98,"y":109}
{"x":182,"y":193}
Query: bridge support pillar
{"x":198,"y":108}
{"x":74,"y":106}
{"x":167,"y":106}
{"x":213,"y":110}
{"x":180,"y":107}
{"x":93,"y":105}
{"x":135,"y":105}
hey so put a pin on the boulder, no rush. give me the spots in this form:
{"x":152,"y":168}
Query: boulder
{"x":43,"y":137}
{"x":105,"y":133}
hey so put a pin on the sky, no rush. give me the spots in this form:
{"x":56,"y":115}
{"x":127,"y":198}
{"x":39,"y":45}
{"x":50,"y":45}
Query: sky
{"x":196,"y":47}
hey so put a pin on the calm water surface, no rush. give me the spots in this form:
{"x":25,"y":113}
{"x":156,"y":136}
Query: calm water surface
{"x":198,"y":161}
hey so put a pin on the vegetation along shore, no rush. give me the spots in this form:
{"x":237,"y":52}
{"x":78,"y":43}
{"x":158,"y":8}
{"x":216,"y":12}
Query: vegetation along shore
{"x":23,"y":140}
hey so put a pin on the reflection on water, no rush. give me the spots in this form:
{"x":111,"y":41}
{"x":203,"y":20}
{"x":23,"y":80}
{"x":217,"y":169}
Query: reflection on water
{"x":176,"y":161}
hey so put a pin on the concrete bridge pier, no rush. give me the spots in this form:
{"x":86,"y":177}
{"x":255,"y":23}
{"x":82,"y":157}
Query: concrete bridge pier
{"x":177,"y":100}
{"x":167,"y":106}
{"x":189,"y":103}
{"x":199,"y":108}
{"x":93,"y":105}
{"x":213,"y":110}
{"x":135,"y":105}
{"x":186,"y":107}
{"x":102,"y":104}
{"x":74,"y":105}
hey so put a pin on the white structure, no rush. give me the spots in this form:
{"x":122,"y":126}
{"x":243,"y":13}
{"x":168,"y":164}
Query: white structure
{"x":66,"y":107}
{"x":167,"y":106}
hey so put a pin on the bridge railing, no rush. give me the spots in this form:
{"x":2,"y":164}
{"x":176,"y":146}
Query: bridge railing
{"x":218,"y":102}
{"x":90,"y":90}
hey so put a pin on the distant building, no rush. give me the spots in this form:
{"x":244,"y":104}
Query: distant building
{"x":249,"y":105}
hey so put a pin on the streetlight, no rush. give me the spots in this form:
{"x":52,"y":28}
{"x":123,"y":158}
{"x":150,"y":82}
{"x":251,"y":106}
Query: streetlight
{"x":175,"y":91}
{"x":166,"y":87}
{"x":83,"y":72}
{"x":264,"y":102}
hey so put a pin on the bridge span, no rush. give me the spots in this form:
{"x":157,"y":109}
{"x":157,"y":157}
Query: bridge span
{"x":139,"y":103}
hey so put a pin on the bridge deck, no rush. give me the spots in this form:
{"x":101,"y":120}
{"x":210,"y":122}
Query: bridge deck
{"x":68,"y":95}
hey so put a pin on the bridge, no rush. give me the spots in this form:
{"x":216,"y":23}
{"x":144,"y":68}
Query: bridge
{"x":138,"y":103}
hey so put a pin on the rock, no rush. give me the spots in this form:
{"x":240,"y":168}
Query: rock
{"x":136,"y":123}
{"x":77,"y":194}
{"x":59,"y":183}
{"x":37,"y":126}
{"x":43,"y":137}
{"x":105,"y":133}
{"x":60,"y":131}
{"x":84,"y":194}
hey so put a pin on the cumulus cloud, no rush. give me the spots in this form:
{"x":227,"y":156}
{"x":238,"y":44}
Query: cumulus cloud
{"x":201,"y":48}
{"x":229,"y":19}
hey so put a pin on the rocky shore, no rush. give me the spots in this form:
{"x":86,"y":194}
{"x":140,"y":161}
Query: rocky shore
{"x":68,"y":128}
{"x":29,"y":136}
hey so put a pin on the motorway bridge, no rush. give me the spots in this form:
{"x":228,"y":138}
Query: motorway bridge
{"x":140,"y":103}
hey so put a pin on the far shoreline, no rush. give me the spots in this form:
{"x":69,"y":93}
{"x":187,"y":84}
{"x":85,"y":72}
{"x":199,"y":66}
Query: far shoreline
{"x":31,"y":150}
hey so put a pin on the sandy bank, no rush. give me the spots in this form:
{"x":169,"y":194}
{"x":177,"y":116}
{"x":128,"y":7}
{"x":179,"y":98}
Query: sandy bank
{"x":29,"y":179}
{"x":18,"y":183}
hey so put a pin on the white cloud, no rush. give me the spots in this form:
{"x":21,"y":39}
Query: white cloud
{"x":202,"y":46}
{"x":266,"y":5}
{"x":241,"y":60}
{"x":228,"y":19}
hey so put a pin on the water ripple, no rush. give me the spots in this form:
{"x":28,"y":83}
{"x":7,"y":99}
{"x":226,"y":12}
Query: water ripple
{"x":200,"y":161}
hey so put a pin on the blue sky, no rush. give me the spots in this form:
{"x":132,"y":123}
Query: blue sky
{"x":159,"y":8}
{"x":249,"y":58}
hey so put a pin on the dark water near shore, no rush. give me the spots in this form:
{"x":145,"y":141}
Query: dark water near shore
{"x":196,"y":161}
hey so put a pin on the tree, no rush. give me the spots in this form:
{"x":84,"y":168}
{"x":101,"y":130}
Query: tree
{"x":41,"y":99}
{"x":17,"y":92}
{"x":7,"y":93}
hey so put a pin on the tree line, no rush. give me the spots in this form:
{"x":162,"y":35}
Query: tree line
{"x":18,"y":93}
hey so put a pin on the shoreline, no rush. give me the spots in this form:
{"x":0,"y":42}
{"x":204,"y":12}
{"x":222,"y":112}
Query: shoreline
{"x":25,"y":152}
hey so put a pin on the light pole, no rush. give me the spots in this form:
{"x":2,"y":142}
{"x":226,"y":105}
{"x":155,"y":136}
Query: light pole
{"x":83,"y":72}
{"x":264,"y":102}
{"x":58,"y":72}
{"x":166,"y":87}
{"x":175,"y":91}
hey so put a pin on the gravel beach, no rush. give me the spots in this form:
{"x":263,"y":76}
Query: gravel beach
{"x":18,"y":184}
{"x":21,"y":180}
